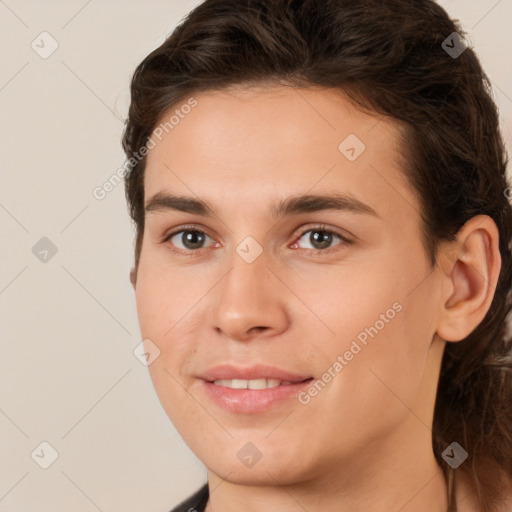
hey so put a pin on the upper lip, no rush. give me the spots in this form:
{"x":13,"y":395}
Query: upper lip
{"x":229,"y":372}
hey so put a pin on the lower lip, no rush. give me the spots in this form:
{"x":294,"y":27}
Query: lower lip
{"x":252,"y":400}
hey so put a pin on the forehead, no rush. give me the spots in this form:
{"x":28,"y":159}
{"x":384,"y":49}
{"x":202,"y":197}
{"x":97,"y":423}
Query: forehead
{"x":261,"y":142}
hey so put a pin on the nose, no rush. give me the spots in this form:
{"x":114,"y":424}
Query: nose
{"x":250,"y":302}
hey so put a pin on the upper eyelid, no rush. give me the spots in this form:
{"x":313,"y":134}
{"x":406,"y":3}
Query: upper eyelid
{"x":297,"y":236}
{"x":181,"y":229}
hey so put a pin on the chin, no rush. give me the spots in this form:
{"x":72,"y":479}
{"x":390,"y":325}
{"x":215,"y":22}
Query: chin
{"x":262,"y":474}
{"x":248,"y":467}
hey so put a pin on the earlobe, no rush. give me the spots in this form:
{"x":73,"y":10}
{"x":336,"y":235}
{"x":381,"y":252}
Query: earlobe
{"x":470,"y":267}
{"x":133,"y":277}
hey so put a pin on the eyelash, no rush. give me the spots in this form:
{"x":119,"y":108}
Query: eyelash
{"x":344,"y":241}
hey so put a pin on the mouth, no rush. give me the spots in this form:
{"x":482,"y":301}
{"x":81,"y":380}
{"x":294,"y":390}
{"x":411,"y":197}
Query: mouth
{"x":252,"y":389}
{"x":255,"y":375}
{"x":263,"y":383}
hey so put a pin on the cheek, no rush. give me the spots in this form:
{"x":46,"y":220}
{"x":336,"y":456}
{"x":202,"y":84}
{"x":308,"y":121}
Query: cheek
{"x":372,"y":394}
{"x":166,"y":296}
{"x":349,"y":302}
{"x":168,"y":301}
{"x":159,"y":312}
{"x":381,"y":332}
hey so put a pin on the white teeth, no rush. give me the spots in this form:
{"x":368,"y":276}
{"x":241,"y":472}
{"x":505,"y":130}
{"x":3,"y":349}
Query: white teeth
{"x":257,"y":384}
{"x":223,"y":382}
{"x":250,"y":384}
{"x":239,"y":384}
{"x":273,"y":383}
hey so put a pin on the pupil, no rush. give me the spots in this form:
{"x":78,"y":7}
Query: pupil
{"x":320,"y":239}
{"x":192,"y":238}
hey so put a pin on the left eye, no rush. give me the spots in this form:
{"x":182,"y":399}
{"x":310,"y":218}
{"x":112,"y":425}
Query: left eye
{"x":320,"y":239}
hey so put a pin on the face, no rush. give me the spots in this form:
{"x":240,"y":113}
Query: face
{"x":283,"y":279}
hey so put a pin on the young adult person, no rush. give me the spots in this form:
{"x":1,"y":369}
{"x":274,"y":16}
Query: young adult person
{"x":323,"y":256}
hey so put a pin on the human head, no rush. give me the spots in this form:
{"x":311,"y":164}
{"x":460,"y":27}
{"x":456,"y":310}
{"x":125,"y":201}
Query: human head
{"x":394,"y":66}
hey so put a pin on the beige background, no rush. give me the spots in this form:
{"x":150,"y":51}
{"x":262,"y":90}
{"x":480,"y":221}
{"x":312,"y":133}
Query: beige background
{"x":68,"y":373}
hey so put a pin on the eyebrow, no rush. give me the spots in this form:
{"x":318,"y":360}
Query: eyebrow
{"x":291,"y":206}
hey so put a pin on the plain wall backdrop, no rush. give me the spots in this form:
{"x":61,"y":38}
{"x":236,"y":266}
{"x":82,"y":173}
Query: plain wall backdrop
{"x":68,"y":374}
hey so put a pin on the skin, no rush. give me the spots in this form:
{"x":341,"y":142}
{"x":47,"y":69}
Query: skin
{"x":364,"y":442}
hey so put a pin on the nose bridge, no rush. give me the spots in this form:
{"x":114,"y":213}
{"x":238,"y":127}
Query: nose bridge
{"x":249,"y":297}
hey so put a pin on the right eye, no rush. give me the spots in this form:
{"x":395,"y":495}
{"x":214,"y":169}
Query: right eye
{"x":187,"y":241}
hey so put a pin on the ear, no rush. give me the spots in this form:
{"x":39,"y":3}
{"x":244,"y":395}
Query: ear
{"x":470,"y":269}
{"x":133,"y":277}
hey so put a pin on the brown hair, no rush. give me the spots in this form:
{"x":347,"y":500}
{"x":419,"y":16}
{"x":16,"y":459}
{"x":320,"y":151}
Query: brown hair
{"x":388,"y":56}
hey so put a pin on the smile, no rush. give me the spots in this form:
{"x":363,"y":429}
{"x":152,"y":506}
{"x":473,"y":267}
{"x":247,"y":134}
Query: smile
{"x":252,"y":383}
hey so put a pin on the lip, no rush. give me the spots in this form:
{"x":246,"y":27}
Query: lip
{"x":260,"y":371}
{"x":251,"y":400}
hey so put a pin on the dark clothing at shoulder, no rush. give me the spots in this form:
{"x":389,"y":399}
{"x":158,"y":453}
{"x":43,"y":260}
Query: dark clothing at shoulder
{"x":196,"y":502}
